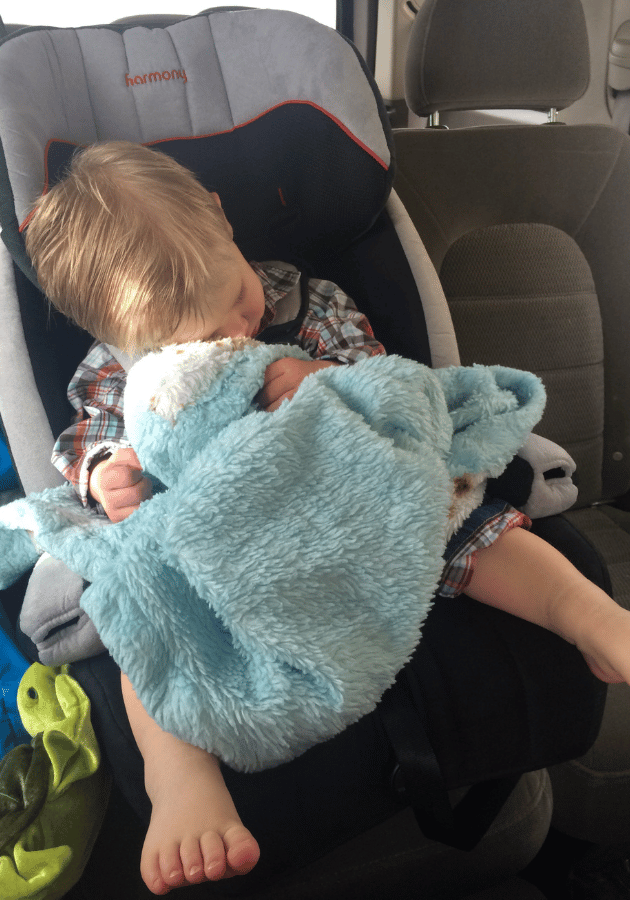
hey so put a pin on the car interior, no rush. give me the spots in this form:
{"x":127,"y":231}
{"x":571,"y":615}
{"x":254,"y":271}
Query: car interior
{"x":462,"y":169}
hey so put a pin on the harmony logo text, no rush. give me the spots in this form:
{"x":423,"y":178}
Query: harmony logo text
{"x":152,"y":77}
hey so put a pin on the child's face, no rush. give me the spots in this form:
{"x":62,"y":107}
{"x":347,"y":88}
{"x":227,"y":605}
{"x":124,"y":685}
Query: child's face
{"x":234,"y":310}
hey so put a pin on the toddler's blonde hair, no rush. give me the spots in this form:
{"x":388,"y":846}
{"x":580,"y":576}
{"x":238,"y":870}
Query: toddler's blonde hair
{"x":129,"y":244}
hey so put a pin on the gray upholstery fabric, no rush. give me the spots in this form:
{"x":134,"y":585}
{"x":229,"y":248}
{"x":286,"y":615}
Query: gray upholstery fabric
{"x":548,"y":496}
{"x":570,"y":178}
{"x":441,"y":336}
{"x":523,"y":295}
{"x":21,"y":407}
{"x":52,"y":618}
{"x":463,"y":55}
{"x":146,"y":84}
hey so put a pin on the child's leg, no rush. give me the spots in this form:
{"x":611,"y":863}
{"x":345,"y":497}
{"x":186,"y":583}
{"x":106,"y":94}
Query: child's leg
{"x":195,"y":832}
{"x":524,"y":575}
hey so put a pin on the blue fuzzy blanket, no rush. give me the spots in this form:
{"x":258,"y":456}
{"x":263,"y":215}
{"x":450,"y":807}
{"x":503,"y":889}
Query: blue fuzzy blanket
{"x":269,"y":596}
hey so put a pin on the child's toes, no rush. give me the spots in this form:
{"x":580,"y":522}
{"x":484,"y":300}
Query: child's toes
{"x":213,"y":852}
{"x":242,"y":849}
{"x":171,"y":866}
{"x":192,"y":860}
{"x":158,"y":886}
{"x":152,"y":875}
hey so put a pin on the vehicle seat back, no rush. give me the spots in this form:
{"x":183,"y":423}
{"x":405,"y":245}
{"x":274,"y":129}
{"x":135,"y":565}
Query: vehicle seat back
{"x":524,"y":223}
{"x":528,"y":228}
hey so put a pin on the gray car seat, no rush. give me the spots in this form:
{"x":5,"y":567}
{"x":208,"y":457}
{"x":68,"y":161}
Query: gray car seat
{"x":102,"y":75}
{"x":528,"y":228}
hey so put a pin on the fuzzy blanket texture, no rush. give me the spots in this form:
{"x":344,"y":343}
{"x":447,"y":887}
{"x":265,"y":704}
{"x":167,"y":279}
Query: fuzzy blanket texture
{"x":269,"y":595}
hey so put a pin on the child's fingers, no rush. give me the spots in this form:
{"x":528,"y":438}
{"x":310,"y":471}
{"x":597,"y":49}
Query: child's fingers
{"x":123,"y":466}
{"x":131,"y":495}
{"x":124,"y":476}
{"x":120,"y":470}
{"x":274,"y":385}
{"x":276,"y":392}
{"x":119,"y":487}
{"x":120,"y":503}
{"x":283,"y":377}
{"x":277,"y":403}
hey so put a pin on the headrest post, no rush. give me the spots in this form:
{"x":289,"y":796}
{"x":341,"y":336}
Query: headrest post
{"x":552,"y":115}
{"x":434,"y":121}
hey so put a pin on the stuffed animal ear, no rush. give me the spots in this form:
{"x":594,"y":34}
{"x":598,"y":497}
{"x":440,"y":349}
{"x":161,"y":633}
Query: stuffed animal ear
{"x":538,"y":481}
{"x":553,"y":490}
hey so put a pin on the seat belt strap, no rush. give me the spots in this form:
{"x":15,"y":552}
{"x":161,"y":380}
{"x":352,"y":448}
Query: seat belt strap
{"x":419,"y":779}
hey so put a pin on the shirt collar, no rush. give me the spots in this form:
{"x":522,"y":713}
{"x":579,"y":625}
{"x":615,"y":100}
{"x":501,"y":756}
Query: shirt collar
{"x":276,"y":282}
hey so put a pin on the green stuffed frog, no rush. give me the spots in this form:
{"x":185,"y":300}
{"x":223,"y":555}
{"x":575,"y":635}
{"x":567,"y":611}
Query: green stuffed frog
{"x":53,"y":793}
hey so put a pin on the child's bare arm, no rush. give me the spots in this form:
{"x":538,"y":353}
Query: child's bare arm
{"x":283,"y":377}
{"x":524,"y":575}
{"x":118,"y":485}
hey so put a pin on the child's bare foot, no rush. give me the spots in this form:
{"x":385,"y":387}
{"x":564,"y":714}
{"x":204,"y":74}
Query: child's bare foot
{"x":195,"y":833}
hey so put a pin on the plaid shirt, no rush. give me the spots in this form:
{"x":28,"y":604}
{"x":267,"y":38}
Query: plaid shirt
{"x":333,"y":328}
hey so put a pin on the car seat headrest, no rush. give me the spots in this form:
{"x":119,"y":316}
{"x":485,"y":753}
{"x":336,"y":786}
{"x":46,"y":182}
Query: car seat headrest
{"x":272,"y":109}
{"x":496,"y":54}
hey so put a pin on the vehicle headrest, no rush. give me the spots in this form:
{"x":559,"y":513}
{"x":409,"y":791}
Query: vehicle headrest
{"x":496,"y":54}
{"x":271,"y":109}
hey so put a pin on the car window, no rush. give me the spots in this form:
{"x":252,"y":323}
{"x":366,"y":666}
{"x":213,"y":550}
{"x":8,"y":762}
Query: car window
{"x":75,"y":13}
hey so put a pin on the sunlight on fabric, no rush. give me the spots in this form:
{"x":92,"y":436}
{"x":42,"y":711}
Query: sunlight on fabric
{"x":73,"y":14}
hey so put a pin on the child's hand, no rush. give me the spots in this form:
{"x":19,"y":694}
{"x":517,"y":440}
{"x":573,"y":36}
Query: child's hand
{"x":604,"y":641}
{"x":117,"y":484}
{"x":283,"y":377}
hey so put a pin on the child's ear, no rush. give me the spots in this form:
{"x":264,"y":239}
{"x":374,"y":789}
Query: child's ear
{"x":217,"y":200}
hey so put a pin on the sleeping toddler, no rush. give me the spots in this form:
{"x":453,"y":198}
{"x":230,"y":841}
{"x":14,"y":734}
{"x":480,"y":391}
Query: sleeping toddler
{"x":137,"y":252}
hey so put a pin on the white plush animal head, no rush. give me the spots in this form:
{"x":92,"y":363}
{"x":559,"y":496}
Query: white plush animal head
{"x":180,"y":397}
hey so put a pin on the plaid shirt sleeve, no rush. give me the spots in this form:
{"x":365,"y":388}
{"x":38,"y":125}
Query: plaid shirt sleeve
{"x":333,"y":327}
{"x":460,"y":567}
{"x":96,"y":393}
